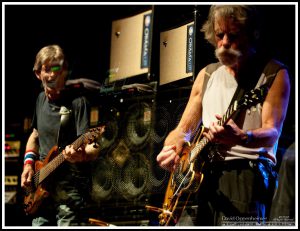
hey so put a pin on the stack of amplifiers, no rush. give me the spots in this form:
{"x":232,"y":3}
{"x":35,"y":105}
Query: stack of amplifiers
{"x":126,"y":174}
{"x":126,"y":167}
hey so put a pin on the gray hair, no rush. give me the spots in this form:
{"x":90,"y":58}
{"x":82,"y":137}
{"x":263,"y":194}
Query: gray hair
{"x":48,"y":54}
{"x":244,"y":15}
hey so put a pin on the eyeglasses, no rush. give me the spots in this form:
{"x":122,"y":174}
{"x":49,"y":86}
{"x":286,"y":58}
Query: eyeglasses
{"x":52,"y":68}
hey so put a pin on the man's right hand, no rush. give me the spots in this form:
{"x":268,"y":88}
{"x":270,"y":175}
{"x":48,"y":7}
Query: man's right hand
{"x":27,"y":174}
{"x":168,"y":158}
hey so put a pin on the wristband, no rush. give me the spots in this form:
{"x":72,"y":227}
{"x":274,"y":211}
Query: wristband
{"x":28,"y":161}
{"x":29,"y":157}
{"x":249,"y":137}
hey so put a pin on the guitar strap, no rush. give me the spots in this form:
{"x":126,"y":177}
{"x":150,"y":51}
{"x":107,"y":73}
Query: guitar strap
{"x":270,"y":71}
{"x":65,"y":115}
{"x":209,"y":70}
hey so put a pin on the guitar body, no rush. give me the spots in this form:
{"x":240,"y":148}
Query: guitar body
{"x":36,"y":194}
{"x":34,"y":199}
{"x":188,"y":176}
{"x":179,"y":189}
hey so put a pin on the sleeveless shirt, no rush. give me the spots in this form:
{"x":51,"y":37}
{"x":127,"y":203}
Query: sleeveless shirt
{"x":220,"y":89}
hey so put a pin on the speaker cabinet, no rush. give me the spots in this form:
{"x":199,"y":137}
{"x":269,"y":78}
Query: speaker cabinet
{"x":176,"y":53}
{"x":127,"y":169}
{"x":130,"y":46}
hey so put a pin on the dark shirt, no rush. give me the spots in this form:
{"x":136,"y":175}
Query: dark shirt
{"x":47,"y":121}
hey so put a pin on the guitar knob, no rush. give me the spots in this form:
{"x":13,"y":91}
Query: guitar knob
{"x":162,"y":222}
{"x":162,"y":219}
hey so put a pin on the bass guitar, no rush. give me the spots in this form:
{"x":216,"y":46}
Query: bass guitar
{"x":186,"y":178}
{"x":37,"y":192}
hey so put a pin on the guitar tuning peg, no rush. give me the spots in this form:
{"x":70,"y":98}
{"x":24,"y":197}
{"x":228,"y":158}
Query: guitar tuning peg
{"x":95,"y":145}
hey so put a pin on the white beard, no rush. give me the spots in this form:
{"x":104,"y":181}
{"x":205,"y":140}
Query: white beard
{"x":228,"y":57}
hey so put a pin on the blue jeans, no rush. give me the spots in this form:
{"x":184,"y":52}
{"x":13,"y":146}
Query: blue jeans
{"x":65,"y":217}
{"x":67,"y":197}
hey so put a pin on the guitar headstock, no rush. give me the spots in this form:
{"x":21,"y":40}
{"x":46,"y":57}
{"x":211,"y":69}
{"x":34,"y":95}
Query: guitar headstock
{"x":253,"y":97}
{"x":94,"y":133}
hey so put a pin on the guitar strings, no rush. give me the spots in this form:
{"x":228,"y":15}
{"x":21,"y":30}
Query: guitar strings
{"x":41,"y":174}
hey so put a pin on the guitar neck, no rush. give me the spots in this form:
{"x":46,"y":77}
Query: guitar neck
{"x":49,"y":168}
{"x":229,"y":113}
{"x":204,"y":141}
{"x":44,"y":172}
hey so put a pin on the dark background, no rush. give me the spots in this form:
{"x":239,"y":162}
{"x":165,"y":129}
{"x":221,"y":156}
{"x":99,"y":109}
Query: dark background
{"x":84,"y":31}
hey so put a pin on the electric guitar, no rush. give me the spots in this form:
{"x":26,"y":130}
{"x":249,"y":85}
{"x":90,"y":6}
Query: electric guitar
{"x":37,"y":192}
{"x":187,"y":176}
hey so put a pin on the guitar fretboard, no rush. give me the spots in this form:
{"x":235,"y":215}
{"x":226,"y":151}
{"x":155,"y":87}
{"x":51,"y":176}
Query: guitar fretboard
{"x":44,"y":172}
{"x":204,"y":141}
